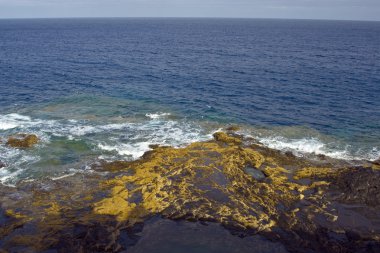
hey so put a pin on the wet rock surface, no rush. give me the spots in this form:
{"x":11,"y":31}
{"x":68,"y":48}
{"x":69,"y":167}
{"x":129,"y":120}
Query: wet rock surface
{"x":22,"y":140}
{"x":257,"y":195}
{"x":255,"y":173}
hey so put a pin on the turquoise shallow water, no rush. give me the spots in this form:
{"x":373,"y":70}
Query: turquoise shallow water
{"x":107,"y":88}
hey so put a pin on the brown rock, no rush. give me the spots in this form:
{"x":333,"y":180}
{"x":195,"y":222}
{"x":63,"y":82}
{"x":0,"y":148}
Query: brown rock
{"x":115,"y":166}
{"x":228,"y":139}
{"x":154,"y":146}
{"x":22,"y":140}
{"x":233,"y":128}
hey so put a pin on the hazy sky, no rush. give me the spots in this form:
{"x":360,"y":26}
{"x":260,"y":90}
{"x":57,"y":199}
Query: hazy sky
{"x":312,"y":9}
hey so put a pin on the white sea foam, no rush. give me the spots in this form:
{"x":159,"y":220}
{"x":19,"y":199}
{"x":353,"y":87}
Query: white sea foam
{"x":68,"y":173}
{"x":13,"y":123}
{"x":82,"y":130}
{"x":157,"y":115}
{"x":141,"y":135}
{"x":373,"y":155}
{"x":133,"y":150}
{"x":315,"y":146}
{"x":63,"y":176}
{"x":77,"y":129}
{"x":13,"y":120}
{"x":7,"y":125}
{"x":7,"y":176}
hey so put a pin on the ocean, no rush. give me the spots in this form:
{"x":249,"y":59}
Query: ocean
{"x":106,"y":89}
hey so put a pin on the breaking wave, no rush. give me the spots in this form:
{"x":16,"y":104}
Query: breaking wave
{"x":315,"y":146}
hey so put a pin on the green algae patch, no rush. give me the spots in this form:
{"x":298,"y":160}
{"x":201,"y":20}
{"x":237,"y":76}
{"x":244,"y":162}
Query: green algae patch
{"x":22,"y":140}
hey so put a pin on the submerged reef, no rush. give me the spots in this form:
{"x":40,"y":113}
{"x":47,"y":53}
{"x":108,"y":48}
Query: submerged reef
{"x":297,"y":204}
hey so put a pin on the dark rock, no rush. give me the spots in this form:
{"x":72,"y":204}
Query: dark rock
{"x":361,"y":185}
{"x":95,"y":238}
{"x":321,"y":156}
{"x":255,"y":173}
{"x":154,"y":146}
{"x":289,"y":154}
{"x":2,"y":165}
{"x":110,"y":166}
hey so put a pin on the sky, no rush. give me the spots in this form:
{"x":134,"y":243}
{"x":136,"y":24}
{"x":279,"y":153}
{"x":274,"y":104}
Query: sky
{"x":298,"y":9}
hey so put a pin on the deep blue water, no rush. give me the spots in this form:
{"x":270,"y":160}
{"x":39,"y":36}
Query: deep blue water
{"x":321,"y":76}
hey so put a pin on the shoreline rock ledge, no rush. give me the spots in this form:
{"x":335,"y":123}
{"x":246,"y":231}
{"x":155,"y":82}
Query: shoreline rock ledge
{"x":305,"y":206}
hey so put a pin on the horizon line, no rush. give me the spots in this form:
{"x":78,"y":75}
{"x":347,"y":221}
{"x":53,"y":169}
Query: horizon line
{"x":189,"y":17}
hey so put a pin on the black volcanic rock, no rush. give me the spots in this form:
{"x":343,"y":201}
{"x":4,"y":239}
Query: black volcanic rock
{"x":360,"y":185}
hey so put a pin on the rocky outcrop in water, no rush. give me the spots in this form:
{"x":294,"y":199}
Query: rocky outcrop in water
{"x":300,"y":205}
{"x":22,"y":140}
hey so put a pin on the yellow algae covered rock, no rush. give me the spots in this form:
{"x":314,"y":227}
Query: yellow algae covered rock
{"x":223,"y":137}
{"x":295,"y":201}
{"x":202,"y":181}
{"x":54,"y":209}
{"x":22,"y":140}
{"x":12,"y":213}
{"x":376,"y":164}
{"x":315,"y":172}
{"x":115,"y":206}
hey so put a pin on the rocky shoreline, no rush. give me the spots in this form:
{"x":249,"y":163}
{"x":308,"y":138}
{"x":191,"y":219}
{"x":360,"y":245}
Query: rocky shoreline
{"x":300,"y":205}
